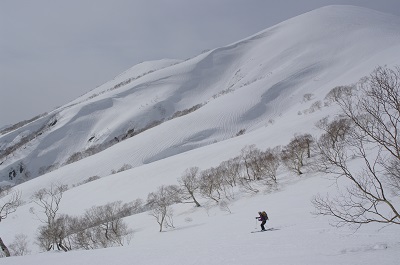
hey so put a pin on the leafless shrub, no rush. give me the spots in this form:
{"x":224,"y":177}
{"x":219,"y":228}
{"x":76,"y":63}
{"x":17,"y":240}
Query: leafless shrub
{"x":103,"y":226}
{"x":259,"y":165}
{"x":210,"y":184}
{"x":294,"y":154}
{"x":307,"y":97}
{"x":124,"y":167}
{"x":226,"y":180}
{"x":89,"y":179}
{"x":228,"y":174}
{"x":374,"y":113}
{"x":248,"y":186}
{"x":10,"y":205}
{"x":317,"y":105}
{"x":252,"y":162}
{"x":241,"y":132}
{"x":271,"y":162}
{"x":74,"y":157}
{"x":48,"y":200}
{"x":180,"y":113}
{"x":190,"y":184}
{"x":160,"y":203}
{"x":54,"y":234}
{"x":335,"y":130}
{"x":20,"y":245}
{"x":231,"y":171}
{"x":224,"y":92}
{"x":338,"y":92}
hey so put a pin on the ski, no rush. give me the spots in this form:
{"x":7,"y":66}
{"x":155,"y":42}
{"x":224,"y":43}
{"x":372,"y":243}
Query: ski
{"x":269,"y":229}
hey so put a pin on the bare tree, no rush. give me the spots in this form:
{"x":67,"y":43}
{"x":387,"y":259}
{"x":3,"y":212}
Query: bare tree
{"x":374,"y":110}
{"x":232,"y":171}
{"x":103,"y":226}
{"x":160,"y":203}
{"x":210,"y":184}
{"x":20,"y":245}
{"x":56,"y":233}
{"x":100,"y":227}
{"x":241,"y":170}
{"x":248,"y":186}
{"x":9,"y":206}
{"x":253,"y":163}
{"x":335,"y":130}
{"x":338,"y":92}
{"x":270,"y":161}
{"x":294,"y":154}
{"x":189,"y":182}
{"x":227,"y":180}
{"x":48,"y":200}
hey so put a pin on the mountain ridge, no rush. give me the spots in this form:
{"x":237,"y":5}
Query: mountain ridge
{"x":306,"y":54}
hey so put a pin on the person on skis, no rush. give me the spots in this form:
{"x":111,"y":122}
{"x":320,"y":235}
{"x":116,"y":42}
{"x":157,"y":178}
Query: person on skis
{"x":263,"y":217}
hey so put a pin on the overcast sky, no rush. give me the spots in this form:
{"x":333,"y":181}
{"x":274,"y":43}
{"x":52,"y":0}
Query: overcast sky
{"x":52,"y":51}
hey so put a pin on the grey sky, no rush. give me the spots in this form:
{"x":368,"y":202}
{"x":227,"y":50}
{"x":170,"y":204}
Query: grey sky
{"x":52,"y":51}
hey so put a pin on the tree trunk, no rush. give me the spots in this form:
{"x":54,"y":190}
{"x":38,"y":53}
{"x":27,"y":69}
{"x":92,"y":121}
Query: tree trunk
{"x":60,"y":245}
{"x":4,"y":248}
{"x":194,"y":199}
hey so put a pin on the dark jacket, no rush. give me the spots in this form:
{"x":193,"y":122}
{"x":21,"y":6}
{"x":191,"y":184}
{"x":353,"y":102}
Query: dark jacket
{"x":262,"y":218}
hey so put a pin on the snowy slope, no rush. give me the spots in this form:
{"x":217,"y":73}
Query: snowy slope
{"x":255,"y":84}
{"x":241,"y":86}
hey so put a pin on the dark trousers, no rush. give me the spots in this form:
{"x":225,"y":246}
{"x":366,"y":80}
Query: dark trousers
{"x":262,"y":225}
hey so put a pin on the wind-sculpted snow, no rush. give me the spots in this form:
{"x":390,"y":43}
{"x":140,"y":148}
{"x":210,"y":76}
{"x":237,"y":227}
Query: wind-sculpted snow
{"x":242,"y":86}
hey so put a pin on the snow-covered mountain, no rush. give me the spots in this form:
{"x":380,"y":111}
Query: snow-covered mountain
{"x":162,"y":117}
{"x":237,"y":87}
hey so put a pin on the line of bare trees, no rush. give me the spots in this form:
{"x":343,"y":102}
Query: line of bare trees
{"x":102,"y":226}
{"x":99,"y":227}
{"x":27,"y":138}
{"x":248,"y":172}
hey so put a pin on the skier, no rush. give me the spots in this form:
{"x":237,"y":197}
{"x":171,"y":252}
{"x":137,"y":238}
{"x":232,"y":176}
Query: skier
{"x":263,"y":217}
